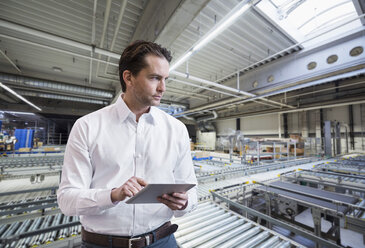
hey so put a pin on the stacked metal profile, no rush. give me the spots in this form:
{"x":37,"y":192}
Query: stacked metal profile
{"x":210,"y":226}
{"x":17,"y":162}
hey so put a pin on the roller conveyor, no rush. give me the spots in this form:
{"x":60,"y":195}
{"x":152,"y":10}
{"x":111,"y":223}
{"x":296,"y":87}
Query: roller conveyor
{"x":41,"y":229}
{"x":31,"y":161}
{"x":210,"y":225}
{"x":295,"y":191}
{"x":343,"y":177}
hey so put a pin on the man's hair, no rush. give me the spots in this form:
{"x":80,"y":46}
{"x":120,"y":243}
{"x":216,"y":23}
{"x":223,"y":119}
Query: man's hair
{"x":133,"y":57}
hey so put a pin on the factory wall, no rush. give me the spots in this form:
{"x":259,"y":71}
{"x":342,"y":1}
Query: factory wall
{"x":305,"y":123}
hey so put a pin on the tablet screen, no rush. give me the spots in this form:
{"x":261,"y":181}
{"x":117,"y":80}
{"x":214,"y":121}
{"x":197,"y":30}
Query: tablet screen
{"x":150,"y":193}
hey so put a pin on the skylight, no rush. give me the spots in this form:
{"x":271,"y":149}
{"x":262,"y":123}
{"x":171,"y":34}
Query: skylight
{"x":305,"y":19}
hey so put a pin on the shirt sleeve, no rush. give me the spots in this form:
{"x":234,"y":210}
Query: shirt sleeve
{"x":184,"y":173}
{"x":75,"y":197}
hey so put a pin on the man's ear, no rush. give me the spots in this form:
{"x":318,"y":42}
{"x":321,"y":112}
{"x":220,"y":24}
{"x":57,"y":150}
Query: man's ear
{"x":127,"y":77}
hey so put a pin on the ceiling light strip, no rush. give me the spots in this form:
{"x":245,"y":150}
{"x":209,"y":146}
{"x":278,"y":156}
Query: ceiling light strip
{"x":237,"y":11}
{"x":19,"y":96}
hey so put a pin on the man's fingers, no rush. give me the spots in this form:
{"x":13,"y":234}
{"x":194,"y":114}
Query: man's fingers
{"x":170,"y":204}
{"x":174,"y":200}
{"x":127,"y":192}
{"x":180,"y":195}
{"x":141,"y":182}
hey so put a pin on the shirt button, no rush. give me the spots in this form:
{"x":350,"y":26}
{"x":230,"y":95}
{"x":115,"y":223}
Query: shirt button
{"x":139,"y":156}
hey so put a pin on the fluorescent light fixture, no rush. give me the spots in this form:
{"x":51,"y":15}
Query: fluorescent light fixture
{"x":238,"y":10}
{"x":17,"y":113}
{"x":19,"y":96}
{"x":225,"y":23}
{"x":181,"y":60}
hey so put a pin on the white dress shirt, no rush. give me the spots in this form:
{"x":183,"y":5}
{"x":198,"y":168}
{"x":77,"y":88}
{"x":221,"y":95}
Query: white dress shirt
{"x":106,"y":148}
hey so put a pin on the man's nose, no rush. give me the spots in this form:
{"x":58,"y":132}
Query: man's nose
{"x":162,"y":86}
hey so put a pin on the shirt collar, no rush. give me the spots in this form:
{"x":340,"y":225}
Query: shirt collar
{"x":124,"y":112}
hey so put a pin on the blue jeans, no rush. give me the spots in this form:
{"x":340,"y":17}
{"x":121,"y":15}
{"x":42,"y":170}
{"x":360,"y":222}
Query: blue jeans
{"x":166,"y":242}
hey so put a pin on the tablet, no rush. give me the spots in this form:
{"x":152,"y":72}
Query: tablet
{"x":150,"y":193}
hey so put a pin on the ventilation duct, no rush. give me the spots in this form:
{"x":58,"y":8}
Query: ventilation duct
{"x":211,"y":116}
{"x":206,"y":127}
{"x":204,"y":122}
{"x":51,"y":85}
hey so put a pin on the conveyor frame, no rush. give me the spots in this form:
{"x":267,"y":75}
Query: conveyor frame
{"x":273,"y":221}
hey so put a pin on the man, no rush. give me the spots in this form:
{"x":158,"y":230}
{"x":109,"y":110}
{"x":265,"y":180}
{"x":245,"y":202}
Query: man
{"x":114,"y":152}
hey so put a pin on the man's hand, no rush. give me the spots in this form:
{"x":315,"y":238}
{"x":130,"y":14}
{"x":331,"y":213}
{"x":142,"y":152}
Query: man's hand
{"x":128,"y":189}
{"x":176,"y":201}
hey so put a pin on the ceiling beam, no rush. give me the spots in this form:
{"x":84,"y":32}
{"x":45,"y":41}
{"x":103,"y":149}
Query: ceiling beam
{"x":360,"y":9}
{"x":154,"y":18}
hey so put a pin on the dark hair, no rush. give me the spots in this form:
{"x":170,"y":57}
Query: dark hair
{"x":133,"y":57}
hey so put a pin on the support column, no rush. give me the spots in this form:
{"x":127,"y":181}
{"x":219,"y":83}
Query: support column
{"x":351,"y":121}
{"x":318,"y":143}
{"x":316,"y":215}
{"x":305,"y":124}
{"x":279,"y":125}
{"x":327,"y":139}
{"x":285,"y":120}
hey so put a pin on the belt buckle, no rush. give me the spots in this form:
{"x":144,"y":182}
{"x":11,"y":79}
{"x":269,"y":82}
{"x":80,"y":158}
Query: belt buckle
{"x":131,"y":240}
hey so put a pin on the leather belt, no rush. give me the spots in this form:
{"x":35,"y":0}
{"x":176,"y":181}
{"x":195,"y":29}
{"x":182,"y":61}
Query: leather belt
{"x":130,"y":242}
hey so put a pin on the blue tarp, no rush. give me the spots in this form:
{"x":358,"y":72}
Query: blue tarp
{"x":204,"y":158}
{"x":24,"y":137}
{"x":1,"y":123}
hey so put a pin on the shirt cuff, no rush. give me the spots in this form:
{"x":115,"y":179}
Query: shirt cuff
{"x":104,"y":200}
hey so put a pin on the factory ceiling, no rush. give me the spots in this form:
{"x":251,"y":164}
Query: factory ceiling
{"x":62,"y":56}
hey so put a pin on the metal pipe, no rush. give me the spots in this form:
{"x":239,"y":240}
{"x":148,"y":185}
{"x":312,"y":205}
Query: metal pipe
{"x":201,"y":224}
{"x":221,"y":239}
{"x":270,"y":242}
{"x":105,"y":26}
{"x":92,"y":39}
{"x":255,"y":241}
{"x":10,"y":61}
{"x":119,"y":22}
{"x":200,"y":80}
{"x":305,"y":85}
{"x":211,"y":231}
{"x":55,"y":38}
{"x":321,"y":90}
{"x":194,"y":219}
{"x":283,"y":244}
{"x":241,"y":238}
{"x":58,"y":50}
{"x":302,"y":109}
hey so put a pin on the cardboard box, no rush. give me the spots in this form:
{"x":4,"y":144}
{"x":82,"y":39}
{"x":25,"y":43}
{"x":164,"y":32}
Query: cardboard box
{"x":295,"y":138}
{"x":202,"y":154}
{"x":192,"y":146}
{"x":25,"y":149}
{"x":300,"y":151}
{"x":51,"y":149}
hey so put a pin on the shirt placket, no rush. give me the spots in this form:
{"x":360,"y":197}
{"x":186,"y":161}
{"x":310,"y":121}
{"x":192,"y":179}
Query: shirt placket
{"x":139,"y":151}
{"x":139,"y":164}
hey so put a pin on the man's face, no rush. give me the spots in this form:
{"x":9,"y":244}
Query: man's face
{"x":148,"y":85}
